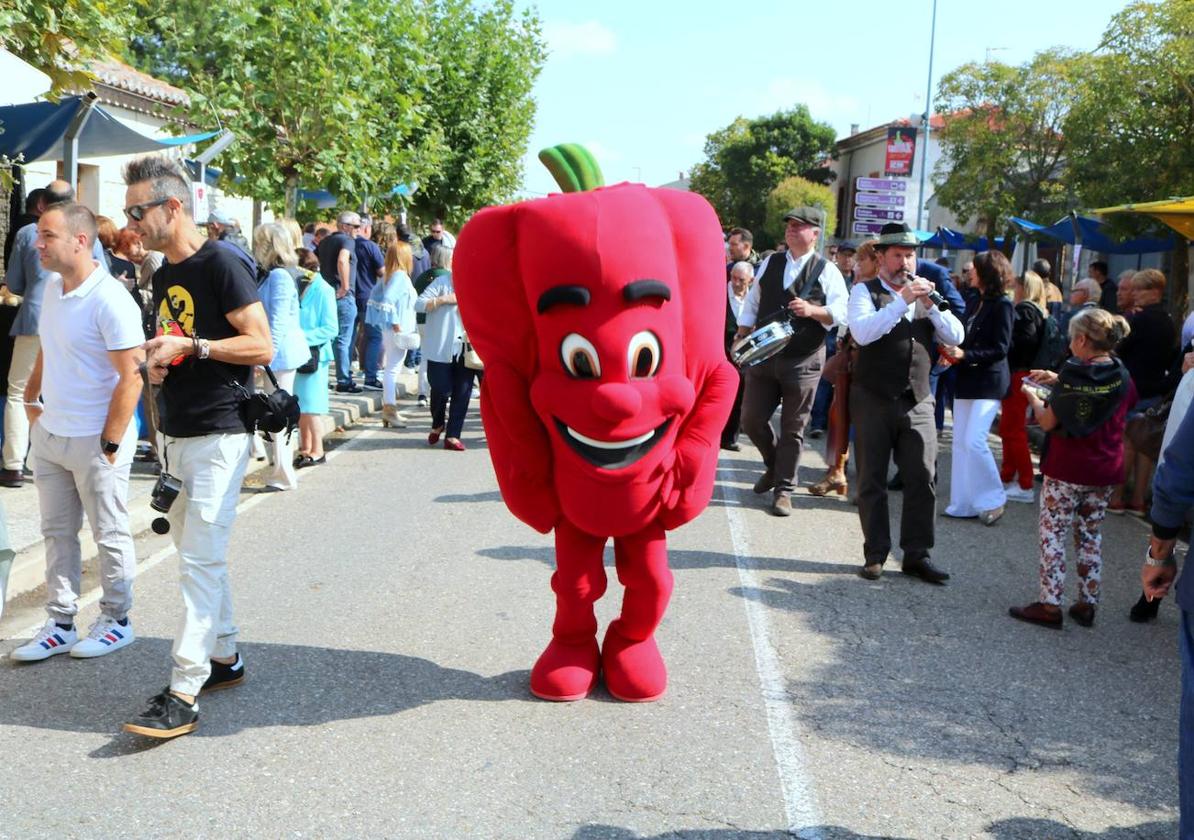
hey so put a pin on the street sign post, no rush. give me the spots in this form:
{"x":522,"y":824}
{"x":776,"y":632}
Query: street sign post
{"x":881,"y":184}
{"x":868,"y":228}
{"x":873,"y":213}
{"x":889,"y":200}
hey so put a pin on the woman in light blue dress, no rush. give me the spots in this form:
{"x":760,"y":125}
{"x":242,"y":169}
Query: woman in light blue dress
{"x":391,"y":311}
{"x":317,"y":317}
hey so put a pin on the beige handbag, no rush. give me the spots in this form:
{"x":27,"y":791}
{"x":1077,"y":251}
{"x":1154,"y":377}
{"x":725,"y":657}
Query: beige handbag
{"x":471,"y":360}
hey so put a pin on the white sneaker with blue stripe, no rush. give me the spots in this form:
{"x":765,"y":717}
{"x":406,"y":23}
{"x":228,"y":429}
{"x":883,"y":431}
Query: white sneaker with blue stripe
{"x":105,"y":636}
{"x":51,"y":640}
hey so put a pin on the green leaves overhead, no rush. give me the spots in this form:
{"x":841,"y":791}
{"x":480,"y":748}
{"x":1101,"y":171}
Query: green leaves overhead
{"x":355,"y":96}
{"x":748,"y":158}
{"x":53,"y":37}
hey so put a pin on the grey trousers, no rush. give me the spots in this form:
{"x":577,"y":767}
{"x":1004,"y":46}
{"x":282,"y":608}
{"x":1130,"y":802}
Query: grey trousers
{"x":792,"y":383}
{"x":906,"y":429}
{"x":73,"y":477}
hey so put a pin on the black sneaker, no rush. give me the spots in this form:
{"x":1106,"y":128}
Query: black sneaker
{"x":166,"y":716}
{"x":225,"y":676}
{"x":373,"y":385}
{"x":350,"y":388}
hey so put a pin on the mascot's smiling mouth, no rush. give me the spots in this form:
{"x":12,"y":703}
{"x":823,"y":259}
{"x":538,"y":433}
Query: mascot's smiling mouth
{"x":612,"y":454}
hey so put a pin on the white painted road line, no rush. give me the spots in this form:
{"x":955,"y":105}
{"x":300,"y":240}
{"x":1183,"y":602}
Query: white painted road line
{"x":800,"y":797}
{"x":94,"y":594}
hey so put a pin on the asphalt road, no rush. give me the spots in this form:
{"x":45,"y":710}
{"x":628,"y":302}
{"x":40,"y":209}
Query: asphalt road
{"x":390,"y":612}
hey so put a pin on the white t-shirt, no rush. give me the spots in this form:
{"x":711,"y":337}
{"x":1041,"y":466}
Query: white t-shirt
{"x":78,"y":329}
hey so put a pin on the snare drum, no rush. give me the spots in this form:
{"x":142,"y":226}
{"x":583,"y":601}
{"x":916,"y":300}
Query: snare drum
{"x":762,"y":344}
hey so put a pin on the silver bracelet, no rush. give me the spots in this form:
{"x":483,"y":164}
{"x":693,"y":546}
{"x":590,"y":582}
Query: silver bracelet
{"x":1149,"y":560}
{"x":33,"y":404}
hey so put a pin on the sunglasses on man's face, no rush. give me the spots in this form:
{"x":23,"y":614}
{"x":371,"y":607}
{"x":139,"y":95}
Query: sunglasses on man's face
{"x":137,"y":211}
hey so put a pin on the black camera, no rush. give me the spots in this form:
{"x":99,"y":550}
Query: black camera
{"x":164,"y":492}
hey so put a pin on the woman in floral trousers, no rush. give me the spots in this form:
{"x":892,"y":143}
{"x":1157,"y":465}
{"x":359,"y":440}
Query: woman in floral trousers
{"x":1084,"y":411}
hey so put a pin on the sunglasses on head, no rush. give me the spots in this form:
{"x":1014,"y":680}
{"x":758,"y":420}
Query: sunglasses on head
{"x":137,"y":211}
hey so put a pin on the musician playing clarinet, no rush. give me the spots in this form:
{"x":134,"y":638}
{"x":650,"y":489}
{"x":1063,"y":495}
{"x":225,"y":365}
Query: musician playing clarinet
{"x":894,"y":319}
{"x":803,"y":288}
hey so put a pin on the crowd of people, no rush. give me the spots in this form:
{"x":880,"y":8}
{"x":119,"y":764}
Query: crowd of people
{"x":877,"y":366}
{"x":180,"y":327}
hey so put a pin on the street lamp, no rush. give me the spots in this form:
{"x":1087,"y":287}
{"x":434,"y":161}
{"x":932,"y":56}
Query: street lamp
{"x":924,"y":157}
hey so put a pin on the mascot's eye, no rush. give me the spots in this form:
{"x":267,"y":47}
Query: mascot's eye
{"x":644,"y":355}
{"x":580,"y":357}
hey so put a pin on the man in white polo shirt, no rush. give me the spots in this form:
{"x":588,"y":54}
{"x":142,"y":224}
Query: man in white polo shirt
{"x":80,"y":400}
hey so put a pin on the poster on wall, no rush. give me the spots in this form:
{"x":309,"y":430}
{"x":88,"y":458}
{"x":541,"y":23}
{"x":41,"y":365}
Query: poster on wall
{"x":901,"y":149}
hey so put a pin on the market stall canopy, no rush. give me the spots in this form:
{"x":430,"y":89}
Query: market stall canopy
{"x":962,"y":242}
{"x":35,"y":132}
{"x":1178,"y":213}
{"x":1092,"y":234}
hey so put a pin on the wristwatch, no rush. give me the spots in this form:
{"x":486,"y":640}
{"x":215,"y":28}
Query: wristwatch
{"x":1149,"y":560}
{"x":110,"y":447}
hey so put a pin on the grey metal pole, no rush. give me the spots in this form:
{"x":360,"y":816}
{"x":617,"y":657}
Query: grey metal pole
{"x":70,"y":139}
{"x":924,"y":155}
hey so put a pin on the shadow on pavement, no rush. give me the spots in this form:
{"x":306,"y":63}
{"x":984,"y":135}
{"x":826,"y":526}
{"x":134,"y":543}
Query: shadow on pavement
{"x":287,"y":685}
{"x":682,"y":559}
{"x":824,"y":832}
{"x":1018,"y":828}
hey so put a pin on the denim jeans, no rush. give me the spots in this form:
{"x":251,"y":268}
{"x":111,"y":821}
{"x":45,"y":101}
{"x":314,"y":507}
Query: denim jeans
{"x":346,"y":315}
{"x":819,"y":418}
{"x":373,"y":339}
{"x":451,"y":388}
{"x":1185,"y":750}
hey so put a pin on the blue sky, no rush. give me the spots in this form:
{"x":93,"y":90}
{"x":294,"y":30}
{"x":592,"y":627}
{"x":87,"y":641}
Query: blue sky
{"x":642,"y":83}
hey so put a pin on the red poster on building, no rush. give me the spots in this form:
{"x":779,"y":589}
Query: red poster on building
{"x":901,"y":150}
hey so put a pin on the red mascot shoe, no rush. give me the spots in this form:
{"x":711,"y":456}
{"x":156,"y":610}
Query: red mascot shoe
{"x":565,"y":671}
{"x":634,"y":671}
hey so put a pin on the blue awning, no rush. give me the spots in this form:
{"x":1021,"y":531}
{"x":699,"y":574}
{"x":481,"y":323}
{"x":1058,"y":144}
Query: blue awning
{"x":35,"y":131}
{"x":958,"y":241}
{"x":1092,"y":234}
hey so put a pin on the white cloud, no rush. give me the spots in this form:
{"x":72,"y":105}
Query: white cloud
{"x":589,"y":38}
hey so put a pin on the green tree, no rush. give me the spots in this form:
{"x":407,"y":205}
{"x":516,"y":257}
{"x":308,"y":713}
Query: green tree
{"x":483,"y":65}
{"x":1003,"y":143}
{"x":1131,"y":128}
{"x":796,"y":192}
{"x":319,"y":93}
{"x":748,"y":158}
{"x":56,"y":37}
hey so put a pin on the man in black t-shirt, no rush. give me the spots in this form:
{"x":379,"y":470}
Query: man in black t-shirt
{"x":212,"y":329}
{"x":338,"y":265}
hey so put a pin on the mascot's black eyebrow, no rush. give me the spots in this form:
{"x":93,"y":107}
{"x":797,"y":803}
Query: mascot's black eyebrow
{"x":641,"y":289}
{"x":574,"y":295}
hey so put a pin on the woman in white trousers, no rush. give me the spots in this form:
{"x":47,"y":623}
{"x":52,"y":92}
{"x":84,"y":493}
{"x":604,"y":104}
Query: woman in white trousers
{"x":982,"y":381}
{"x":391,"y":310}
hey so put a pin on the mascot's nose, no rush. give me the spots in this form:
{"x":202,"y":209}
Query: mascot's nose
{"x":616,"y":402}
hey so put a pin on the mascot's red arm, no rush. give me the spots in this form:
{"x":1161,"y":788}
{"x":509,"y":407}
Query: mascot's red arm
{"x":701,"y":264}
{"x":486,"y":268}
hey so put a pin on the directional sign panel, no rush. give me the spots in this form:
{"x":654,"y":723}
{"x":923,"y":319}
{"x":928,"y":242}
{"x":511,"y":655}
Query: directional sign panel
{"x":881,"y":184}
{"x":879,"y":200}
{"x":867,"y":228}
{"x":872,"y":213}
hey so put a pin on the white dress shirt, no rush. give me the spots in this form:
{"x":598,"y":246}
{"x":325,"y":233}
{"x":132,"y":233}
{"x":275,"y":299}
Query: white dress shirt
{"x":868,"y":324}
{"x":736,"y":303}
{"x":836,"y":293}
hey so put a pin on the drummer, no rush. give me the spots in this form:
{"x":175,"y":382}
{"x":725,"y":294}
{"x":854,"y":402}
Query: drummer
{"x":808,"y":289}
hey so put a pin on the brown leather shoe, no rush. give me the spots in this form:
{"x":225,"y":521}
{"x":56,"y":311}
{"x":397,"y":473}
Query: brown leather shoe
{"x":781,"y":505}
{"x":766,"y":482}
{"x":1083,"y":614}
{"x":12,"y":478}
{"x":1045,"y":615}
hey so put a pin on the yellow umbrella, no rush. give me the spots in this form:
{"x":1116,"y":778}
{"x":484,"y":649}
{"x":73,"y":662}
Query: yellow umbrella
{"x":1178,"y":213}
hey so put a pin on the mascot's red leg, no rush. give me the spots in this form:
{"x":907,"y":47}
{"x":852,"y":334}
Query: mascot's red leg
{"x":567,"y":669}
{"x":633,"y":668}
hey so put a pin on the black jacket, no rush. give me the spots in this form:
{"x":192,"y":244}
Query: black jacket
{"x":1028,"y":331}
{"x":983,"y":372}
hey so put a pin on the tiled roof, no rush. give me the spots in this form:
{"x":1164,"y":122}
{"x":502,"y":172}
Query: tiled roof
{"x":117,"y":74}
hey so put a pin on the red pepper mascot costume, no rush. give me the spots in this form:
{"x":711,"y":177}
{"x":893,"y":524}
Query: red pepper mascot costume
{"x":599,"y":316}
